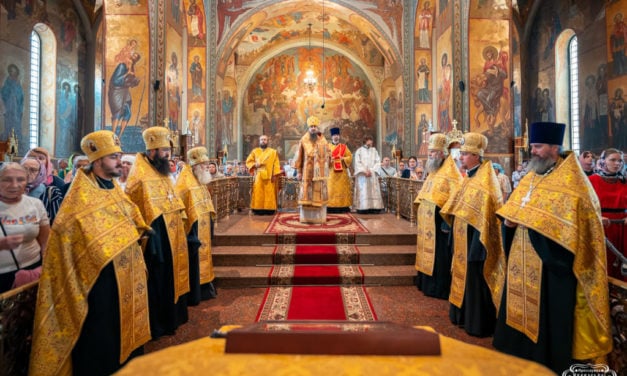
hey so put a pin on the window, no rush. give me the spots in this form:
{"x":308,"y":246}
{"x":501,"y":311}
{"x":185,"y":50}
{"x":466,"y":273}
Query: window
{"x":573,"y":80}
{"x":35,"y":85}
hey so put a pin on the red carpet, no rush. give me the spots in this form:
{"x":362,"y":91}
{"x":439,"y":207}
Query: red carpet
{"x":315,"y":254}
{"x":316,"y":238}
{"x":316,"y":303}
{"x":284,"y":223}
{"x":316,"y":275}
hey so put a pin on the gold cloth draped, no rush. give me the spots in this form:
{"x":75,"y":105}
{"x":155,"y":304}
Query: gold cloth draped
{"x":263,"y":196}
{"x":154,"y":194}
{"x":475,"y":203}
{"x":95,"y":226}
{"x":564,"y":208}
{"x":206,"y":356}
{"x":436,"y":190}
{"x":339,"y":183}
{"x":199,"y":208}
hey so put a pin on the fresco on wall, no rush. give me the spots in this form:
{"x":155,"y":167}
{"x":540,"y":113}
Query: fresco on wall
{"x":173,"y":78}
{"x":126,"y":6}
{"x":516,"y":85}
{"x":14,"y":76}
{"x":196,"y":25}
{"x":423,"y":79}
{"x":444,"y":81}
{"x":547,"y":28}
{"x":175,"y":14}
{"x":226,"y":110}
{"x":228,"y":13}
{"x":275,"y":31}
{"x":445,"y":16}
{"x":276,"y":102}
{"x":196,"y":75}
{"x":491,"y":9}
{"x":67,"y":137}
{"x":127,"y":79}
{"x":196,"y":123}
{"x":424,"y":25}
{"x":489,"y":66}
{"x":423,"y":127}
{"x":617,"y":84}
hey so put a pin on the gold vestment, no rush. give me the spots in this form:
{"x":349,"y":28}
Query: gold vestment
{"x":563,"y":207}
{"x":312,"y":163}
{"x":199,"y":208}
{"x":339,"y":183}
{"x":154,"y":194}
{"x":263,"y":196}
{"x":475,"y":204}
{"x":94,"y":227}
{"x":435,"y":192}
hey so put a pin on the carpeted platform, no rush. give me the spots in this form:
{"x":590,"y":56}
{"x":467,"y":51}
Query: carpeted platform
{"x":316,"y":303}
{"x":315,"y":254}
{"x":283,"y":223}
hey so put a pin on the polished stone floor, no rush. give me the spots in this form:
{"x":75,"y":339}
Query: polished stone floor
{"x":400,"y":304}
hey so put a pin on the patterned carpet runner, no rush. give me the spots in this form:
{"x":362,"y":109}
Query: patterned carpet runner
{"x":316,"y":276}
{"x":284,"y":223}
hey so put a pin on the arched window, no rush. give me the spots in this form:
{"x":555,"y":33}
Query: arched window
{"x":573,"y":79}
{"x":35,"y":85}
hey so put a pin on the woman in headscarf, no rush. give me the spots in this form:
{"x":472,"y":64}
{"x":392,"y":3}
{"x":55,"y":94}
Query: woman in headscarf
{"x":611,"y":186}
{"x":50,"y":195}
{"x":43,"y":157}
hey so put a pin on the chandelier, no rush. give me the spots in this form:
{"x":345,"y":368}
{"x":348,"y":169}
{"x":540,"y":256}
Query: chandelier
{"x":310,"y":77}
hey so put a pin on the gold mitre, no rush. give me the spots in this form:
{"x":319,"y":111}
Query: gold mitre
{"x":474,"y":143}
{"x":156,"y":137}
{"x":437,"y":141}
{"x":197,"y":155}
{"x":99,"y":144}
{"x":454,"y":135}
{"x":313,"y":121}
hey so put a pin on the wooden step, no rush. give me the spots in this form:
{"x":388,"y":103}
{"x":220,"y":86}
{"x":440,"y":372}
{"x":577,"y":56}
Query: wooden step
{"x":257,"y":276}
{"x":262,"y":255}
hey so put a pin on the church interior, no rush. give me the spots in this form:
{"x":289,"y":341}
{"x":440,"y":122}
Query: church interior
{"x":220,"y":74}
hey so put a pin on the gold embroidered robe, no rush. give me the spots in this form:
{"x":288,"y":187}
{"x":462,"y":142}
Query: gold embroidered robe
{"x":475,"y":204}
{"x":199,"y":208}
{"x":339,"y":183}
{"x":563,"y":207}
{"x":435,"y":192}
{"x":264,"y":192}
{"x":154,"y":194}
{"x":312,"y":163}
{"x":94,"y":227}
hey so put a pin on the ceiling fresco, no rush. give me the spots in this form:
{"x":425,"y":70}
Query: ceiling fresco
{"x":288,"y":27}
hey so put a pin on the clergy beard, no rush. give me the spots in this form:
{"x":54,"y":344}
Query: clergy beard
{"x":434,"y":164}
{"x":203,"y":176}
{"x":263,"y":146}
{"x":540,"y":165}
{"x":313,"y":137}
{"x":162,"y":165}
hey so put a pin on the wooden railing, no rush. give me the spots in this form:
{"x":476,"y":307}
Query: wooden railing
{"x":233,"y":194}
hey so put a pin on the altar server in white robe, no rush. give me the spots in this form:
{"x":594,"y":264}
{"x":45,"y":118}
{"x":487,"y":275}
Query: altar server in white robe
{"x":367,"y":196}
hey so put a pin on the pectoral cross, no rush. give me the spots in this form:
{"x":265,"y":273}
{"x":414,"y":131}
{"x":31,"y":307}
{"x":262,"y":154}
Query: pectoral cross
{"x":170,"y":196}
{"x":526,"y":199}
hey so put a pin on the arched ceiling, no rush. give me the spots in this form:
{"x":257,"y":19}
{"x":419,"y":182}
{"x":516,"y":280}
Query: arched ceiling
{"x":264,"y":29}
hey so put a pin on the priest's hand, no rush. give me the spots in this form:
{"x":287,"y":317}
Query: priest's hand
{"x":510,"y":224}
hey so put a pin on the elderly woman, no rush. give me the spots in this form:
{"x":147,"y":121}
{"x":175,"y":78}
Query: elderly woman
{"x":43,"y":157}
{"x":51,"y":196}
{"x":611,"y":187}
{"x":24,"y":228}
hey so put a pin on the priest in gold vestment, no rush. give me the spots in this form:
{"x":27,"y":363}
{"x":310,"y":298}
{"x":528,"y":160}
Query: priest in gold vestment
{"x":191,"y":187}
{"x":433,"y":251}
{"x":339,"y":183}
{"x":263,"y":162}
{"x":478,"y":258}
{"x":149,"y":186}
{"x":312,"y":166}
{"x":92,"y":305}
{"x":555,"y":306}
